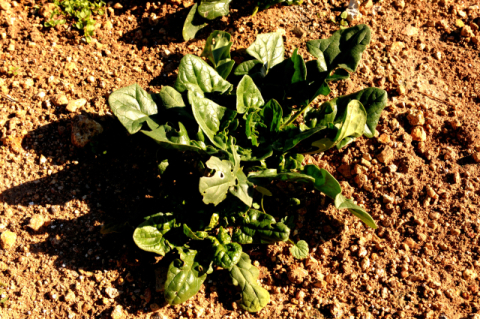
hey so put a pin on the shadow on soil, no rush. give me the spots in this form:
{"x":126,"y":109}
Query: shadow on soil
{"x":114,"y":181}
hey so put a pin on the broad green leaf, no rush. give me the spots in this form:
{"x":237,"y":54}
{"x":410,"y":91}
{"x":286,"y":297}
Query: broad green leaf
{"x":132,"y":105}
{"x":171,"y":97}
{"x":189,"y":29}
{"x":225,"y":67}
{"x":217,"y":47}
{"x":349,"y":125}
{"x":149,"y":235}
{"x":260,"y":228}
{"x":184,"y":278}
{"x":245,"y":275}
{"x":248,"y":95}
{"x":342,"y":202}
{"x":212,"y":118}
{"x":324,"y":181}
{"x":211,"y":9}
{"x":288,"y":140}
{"x":243,"y":189}
{"x":214,"y":189}
{"x":300,"y":250}
{"x":264,"y":177}
{"x":272,"y":115}
{"x":300,"y":70}
{"x":191,"y":234}
{"x":373,"y":100}
{"x":268,"y":48}
{"x":246,"y":67}
{"x":343,"y":49}
{"x":197,"y":76}
{"x":228,"y":255}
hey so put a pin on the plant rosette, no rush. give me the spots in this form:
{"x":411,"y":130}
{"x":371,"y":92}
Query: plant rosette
{"x":226,"y":143}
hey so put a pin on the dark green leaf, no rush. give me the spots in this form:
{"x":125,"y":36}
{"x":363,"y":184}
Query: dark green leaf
{"x":244,"y":275}
{"x":211,"y":9}
{"x":260,"y":228}
{"x":228,"y":255}
{"x":225,"y":67}
{"x":149,"y":235}
{"x":246,"y":67}
{"x":184,"y":278}
{"x":189,"y":29}
{"x":197,"y":76}
{"x":300,"y":250}
{"x":132,"y":105}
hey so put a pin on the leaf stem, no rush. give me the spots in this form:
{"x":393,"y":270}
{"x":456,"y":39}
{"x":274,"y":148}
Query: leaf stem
{"x":290,"y":242}
{"x":292,"y":119}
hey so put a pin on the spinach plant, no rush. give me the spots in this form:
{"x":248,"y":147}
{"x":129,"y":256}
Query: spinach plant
{"x":225,"y":143}
{"x":212,"y":9}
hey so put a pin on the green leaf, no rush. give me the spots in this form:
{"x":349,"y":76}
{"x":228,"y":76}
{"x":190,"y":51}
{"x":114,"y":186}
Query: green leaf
{"x":191,"y":234}
{"x":184,"y":278}
{"x":343,"y":49}
{"x":212,"y":118}
{"x":228,"y":255}
{"x":150,"y":235}
{"x":324,"y":181}
{"x":350,"y":124}
{"x":171,"y":97}
{"x":132,"y":106}
{"x":266,"y":176}
{"x":246,"y":67}
{"x":268,"y":48}
{"x":214,"y":189}
{"x":189,"y":29}
{"x":245,"y":275}
{"x":300,"y":250}
{"x":223,"y":236}
{"x":272,"y":114}
{"x":162,"y":167}
{"x":248,"y":95}
{"x":243,"y":189}
{"x":197,"y":76}
{"x":217,"y":47}
{"x":342,"y":202}
{"x":225,"y":67}
{"x":300,"y":70}
{"x":211,"y":9}
{"x":260,"y":228}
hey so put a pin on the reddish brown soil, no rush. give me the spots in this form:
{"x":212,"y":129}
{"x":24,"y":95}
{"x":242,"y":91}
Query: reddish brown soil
{"x":422,"y":262}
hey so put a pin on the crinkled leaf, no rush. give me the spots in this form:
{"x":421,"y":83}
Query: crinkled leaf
{"x":260,"y":228}
{"x":214,"y":189}
{"x":248,"y":95}
{"x":189,"y":29}
{"x":300,"y":250}
{"x":171,"y":97}
{"x":268,"y":48}
{"x":132,"y":105}
{"x":149,"y":235}
{"x":343,"y":49}
{"x":245,"y":275}
{"x":342,"y":202}
{"x":184,"y":278}
{"x":197,"y":76}
{"x":212,"y":118}
{"x":211,"y":9}
{"x":223,"y":236}
{"x":228,"y":255}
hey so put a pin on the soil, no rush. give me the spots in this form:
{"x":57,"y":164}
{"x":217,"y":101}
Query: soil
{"x":421,"y":185}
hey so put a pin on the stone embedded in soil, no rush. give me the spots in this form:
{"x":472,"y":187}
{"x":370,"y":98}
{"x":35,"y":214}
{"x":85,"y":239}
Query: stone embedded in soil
{"x":74,"y":105}
{"x":419,"y":134}
{"x":467,"y":32}
{"x":36,"y":222}
{"x":8,"y":239}
{"x":70,"y":297}
{"x":298,"y":32}
{"x":111,"y":292}
{"x":117,"y":6}
{"x":415,"y":117}
{"x":469,"y":274}
{"x":4,"y":5}
{"x":83,"y":130}
{"x":60,"y":100}
{"x":476,"y":157}
{"x":117,"y":312}
{"x":297,"y":274}
{"x":386,"y":156}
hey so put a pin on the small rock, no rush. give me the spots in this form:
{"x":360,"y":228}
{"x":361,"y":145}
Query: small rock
{"x":434,"y":215}
{"x":297,"y":274}
{"x":419,"y":134}
{"x":469,"y":274}
{"x":41,"y":95}
{"x":70,"y":297}
{"x":476,"y":157}
{"x":415,"y":117}
{"x":112,"y":293}
{"x":154,"y":307}
{"x":83,"y":130}
{"x":117,"y":312}
{"x":467,"y":32}
{"x":90,"y":79}
{"x":117,"y":6}
{"x":384,"y":138}
{"x":300,"y":295}
{"x":8,"y":239}
{"x":459,"y":23}
{"x":74,"y":105}
{"x":401,"y":90}
{"x":397,"y":46}
{"x":60,"y":100}
{"x":298,"y":32}
{"x":386,"y":156}
{"x":443,"y":246}
{"x":431,"y":192}
{"x":410,"y":31}
{"x":70,"y":66}
{"x":410,"y":243}
{"x":108,"y":25}
{"x":387,"y":199}
{"x":438,"y":56}
{"x":36,"y":222}
{"x":365,"y":264}
{"x":4,"y":5}
{"x":27,"y":83}
{"x":345,"y":170}
{"x":400,"y":4}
